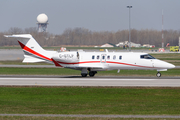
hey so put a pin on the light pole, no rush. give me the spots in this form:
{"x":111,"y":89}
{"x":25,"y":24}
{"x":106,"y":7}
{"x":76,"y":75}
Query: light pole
{"x":129,"y":28}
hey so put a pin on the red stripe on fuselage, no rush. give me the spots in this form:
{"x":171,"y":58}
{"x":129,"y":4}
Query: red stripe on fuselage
{"x":79,"y":62}
{"x":128,"y":64}
{"x":33,"y":52}
{"x":104,"y":62}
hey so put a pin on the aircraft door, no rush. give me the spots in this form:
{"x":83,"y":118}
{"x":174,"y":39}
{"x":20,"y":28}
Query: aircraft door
{"x":152,"y":63}
{"x":103,"y":58}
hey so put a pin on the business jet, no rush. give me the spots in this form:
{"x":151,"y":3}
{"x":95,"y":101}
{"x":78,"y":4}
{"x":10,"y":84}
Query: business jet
{"x":89,"y":62}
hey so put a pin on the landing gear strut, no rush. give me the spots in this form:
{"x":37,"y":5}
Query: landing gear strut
{"x":158,"y":74}
{"x":84,"y":72}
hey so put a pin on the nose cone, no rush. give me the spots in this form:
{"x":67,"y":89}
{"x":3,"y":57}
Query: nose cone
{"x":170,"y":66}
{"x":163,"y":64}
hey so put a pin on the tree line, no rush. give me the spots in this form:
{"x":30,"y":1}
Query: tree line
{"x":82,"y":36}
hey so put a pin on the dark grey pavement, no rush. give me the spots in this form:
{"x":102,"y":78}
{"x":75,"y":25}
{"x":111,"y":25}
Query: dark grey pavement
{"x":89,"y":81}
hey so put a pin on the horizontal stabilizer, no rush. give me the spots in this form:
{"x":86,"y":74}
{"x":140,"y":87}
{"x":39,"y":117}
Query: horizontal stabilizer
{"x":19,"y":36}
{"x":29,"y":59}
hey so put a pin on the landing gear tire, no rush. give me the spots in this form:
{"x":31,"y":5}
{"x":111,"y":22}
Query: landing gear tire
{"x":91,"y":74}
{"x":158,"y":74}
{"x":84,"y":75}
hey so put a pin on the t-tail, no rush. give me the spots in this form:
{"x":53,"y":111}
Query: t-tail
{"x":33,"y":52}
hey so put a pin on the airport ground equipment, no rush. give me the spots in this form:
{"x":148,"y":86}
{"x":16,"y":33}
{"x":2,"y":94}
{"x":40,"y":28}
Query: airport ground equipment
{"x":174,"y":48}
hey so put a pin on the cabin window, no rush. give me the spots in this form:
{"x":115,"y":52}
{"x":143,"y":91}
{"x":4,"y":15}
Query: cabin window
{"x":108,"y":57}
{"x":147,"y":56}
{"x":93,"y":57}
{"x":98,"y":57}
{"x":120,"y":57}
{"x":103,"y":57}
{"x":114,"y":57}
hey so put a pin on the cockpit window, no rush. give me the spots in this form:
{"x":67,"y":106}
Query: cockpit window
{"x":147,"y":56}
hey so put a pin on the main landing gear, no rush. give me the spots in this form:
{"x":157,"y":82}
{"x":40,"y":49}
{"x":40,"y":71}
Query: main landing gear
{"x":158,"y":74}
{"x":91,"y":74}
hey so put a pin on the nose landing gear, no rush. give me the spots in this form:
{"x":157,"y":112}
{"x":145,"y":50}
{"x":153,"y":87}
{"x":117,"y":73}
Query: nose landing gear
{"x":158,"y":74}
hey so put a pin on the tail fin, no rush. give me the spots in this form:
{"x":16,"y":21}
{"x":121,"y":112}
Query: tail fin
{"x":33,"y":52}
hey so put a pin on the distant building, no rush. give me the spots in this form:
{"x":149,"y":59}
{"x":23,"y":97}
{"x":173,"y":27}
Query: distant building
{"x":148,"y":46}
{"x":126,"y":43}
{"x":108,"y":45}
{"x":120,"y":44}
{"x":135,"y":45}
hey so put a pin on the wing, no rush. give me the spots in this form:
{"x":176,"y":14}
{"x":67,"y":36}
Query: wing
{"x":80,"y":68}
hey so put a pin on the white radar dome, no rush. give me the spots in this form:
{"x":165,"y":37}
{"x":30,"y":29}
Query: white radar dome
{"x":42,"y":18}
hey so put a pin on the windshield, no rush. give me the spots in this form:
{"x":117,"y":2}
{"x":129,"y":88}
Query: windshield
{"x":147,"y":56}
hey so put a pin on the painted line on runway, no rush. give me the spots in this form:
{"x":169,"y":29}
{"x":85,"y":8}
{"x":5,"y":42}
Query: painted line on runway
{"x":75,"y":79}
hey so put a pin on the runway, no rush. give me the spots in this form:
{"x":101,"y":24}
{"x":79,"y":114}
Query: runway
{"x":89,"y":81}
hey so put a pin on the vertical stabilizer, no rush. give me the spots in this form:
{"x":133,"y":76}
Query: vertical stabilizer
{"x":33,"y":52}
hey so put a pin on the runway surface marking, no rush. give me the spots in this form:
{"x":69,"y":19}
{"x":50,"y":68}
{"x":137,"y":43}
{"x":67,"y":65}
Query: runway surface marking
{"x":79,"y":79}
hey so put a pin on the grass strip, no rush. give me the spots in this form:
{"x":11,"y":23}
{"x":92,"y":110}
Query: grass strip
{"x":65,"y":71}
{"x":90,"y":100}
{"x":77,"y":118}
{"x":38,"y":71}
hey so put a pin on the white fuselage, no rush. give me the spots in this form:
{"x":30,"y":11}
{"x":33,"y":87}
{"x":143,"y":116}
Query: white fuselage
{"x":98,"y":61}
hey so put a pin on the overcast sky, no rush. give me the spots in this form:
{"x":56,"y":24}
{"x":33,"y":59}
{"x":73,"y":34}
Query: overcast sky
{"x":95,"y":15}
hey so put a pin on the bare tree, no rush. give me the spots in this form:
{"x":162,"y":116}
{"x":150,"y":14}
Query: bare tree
{"x":15,"y":30}
{"x":82,"y":36}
